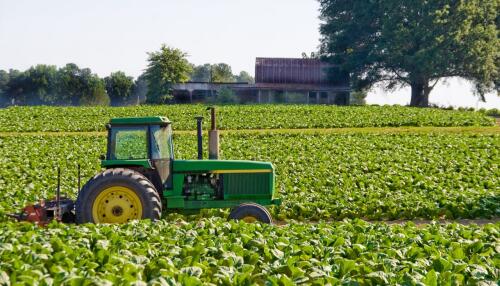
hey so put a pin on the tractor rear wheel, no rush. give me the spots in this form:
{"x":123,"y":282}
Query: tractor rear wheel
{"x":117,"y":195}
{"x":250,"y":212}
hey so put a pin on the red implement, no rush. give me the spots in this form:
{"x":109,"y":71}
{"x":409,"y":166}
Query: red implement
{"x":44,"y":212}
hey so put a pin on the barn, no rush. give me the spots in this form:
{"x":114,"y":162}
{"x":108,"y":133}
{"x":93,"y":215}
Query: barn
{"x":277,"y":80}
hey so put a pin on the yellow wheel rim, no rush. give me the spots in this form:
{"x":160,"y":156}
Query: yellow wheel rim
{"x":249,"y":219}
{"x":116,"y":205}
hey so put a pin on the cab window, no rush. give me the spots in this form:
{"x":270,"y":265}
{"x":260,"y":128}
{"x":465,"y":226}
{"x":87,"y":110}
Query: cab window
{"x":129,"y":143}
{"x":160,"y":145}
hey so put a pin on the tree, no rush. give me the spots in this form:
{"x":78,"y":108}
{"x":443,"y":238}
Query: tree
{"x":14,"y":90}
{"x":222,"y":73}
{"x":45,"y":84}
{"x":119,"y":87}
{"x":245,"y":77}
{"x":94,"y":92}
{"x":70,"y":84}
{"x":40,"y":85}
{"x":201,"y":73}
{"x":166,"y":67}
{"x":412,"y":43}
{"x":80,"y":87}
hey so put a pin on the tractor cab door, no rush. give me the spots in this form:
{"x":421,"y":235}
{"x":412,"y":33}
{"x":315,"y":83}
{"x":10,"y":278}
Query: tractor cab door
{"x":162,"y":153}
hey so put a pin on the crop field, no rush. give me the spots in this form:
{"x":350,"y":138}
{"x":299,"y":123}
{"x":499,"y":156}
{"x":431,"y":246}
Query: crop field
{"x":230,"y":253}
{"x":319,"y":176}
{"x":331,"y":183}
{"x":28,"y":119}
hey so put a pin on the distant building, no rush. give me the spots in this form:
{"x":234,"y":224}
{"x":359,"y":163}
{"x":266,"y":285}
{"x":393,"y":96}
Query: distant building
{"x":277,"y":80}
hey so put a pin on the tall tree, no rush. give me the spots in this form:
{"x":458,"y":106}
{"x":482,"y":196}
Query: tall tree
{"x":119,"y":87}
{"x":222,"y":73}
{"x":41,"y":85}
{"x":413,"y":43}
{"x":70,"y":84}
{"x":15,"y":87}
{"x":166,"y":67}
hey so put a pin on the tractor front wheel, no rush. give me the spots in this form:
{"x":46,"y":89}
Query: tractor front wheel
{"x":250,"y":213}
{"x":117,"y":195}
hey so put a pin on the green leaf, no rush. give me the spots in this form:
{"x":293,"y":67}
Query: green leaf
{"x":431,"y":278}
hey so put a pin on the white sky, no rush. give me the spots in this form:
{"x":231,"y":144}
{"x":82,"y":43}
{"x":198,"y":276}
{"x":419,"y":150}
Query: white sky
{"x":111,"y":35}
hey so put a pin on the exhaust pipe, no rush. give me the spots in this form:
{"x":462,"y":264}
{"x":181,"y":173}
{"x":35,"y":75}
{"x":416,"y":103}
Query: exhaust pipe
{"x":213,"y":137}
{"x":199,"y":133}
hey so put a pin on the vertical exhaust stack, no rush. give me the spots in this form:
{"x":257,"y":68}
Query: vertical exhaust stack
{"x":213,"y":137}
{"x":199,"y":134}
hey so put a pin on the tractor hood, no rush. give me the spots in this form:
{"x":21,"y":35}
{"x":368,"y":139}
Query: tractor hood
{"x":222,"y":166}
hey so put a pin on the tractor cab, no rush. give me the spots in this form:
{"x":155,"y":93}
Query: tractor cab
{"x":143,"y":144}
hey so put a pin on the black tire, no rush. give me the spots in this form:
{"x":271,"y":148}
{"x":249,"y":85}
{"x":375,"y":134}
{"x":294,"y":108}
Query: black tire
{"x":142,"y":187}
{"x":260,"y":213}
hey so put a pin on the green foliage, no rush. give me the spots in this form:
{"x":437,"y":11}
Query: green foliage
{"x":222,"y":73}
{"x":95,"y":93}
{"x":47,"y":85}
{"x":244,"y":77}
{"x":201,"y":73}
{"x":119,"y":87}
{"x":491,"y":112}
{"x":166,"y":67}
{"x":239,"y":117}
{"x":378,"y":176}
{"x":413,"y":43}
{"x":218,"y":73}
{"x":217,"y":252}
{"x":319,"y":176}
{"x":80,"y":87}
{"x":40,"y":86}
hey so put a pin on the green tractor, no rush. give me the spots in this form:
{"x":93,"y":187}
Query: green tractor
{"x":142,"y":178}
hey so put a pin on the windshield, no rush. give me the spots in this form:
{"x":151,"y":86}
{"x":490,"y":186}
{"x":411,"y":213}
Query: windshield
{"x":129,"y":143}
{"x":161,"y":142}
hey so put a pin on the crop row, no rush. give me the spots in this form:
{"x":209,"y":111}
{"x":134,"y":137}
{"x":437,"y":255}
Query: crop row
{"x":231,"y":253}
{"x":319,"y":176}
{"x":15,"y":119}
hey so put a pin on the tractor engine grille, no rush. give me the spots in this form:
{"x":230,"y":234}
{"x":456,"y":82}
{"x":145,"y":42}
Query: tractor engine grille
{"x":242,"y":186}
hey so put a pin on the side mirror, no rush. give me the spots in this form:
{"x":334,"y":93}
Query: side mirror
{"x":102,"y":157}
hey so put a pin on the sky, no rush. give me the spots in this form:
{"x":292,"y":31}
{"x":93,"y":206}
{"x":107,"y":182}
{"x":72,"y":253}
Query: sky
{"x":111,"y":35}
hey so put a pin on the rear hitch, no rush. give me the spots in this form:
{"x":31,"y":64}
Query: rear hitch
{"x":46,"y":211}
{"x":59,"y":208}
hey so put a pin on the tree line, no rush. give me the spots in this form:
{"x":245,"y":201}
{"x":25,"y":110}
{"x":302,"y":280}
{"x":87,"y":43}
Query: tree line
{"x":71,"y":85}
{"x":390,"y":43}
